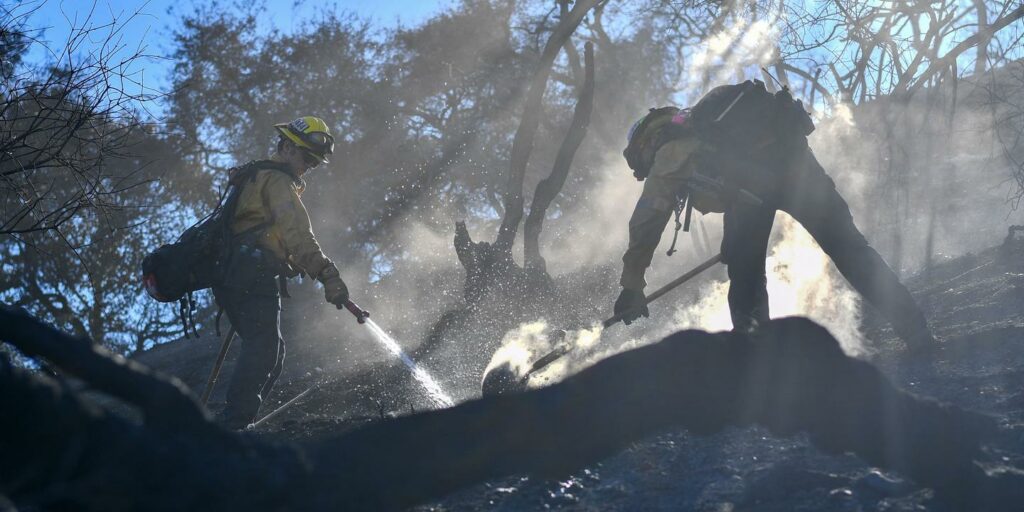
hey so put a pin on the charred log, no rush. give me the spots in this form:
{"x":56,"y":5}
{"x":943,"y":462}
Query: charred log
{"x":61,"y":453}
{"x":790,"y":377}
{"x":162,"y":399}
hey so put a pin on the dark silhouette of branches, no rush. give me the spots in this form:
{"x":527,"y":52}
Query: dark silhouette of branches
{"x":522,"y":144}
{"x":62,"y":125}
{"x":549,"y":188}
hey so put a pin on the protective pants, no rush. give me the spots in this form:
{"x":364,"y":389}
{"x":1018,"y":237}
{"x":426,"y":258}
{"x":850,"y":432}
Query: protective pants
{"x":251,"y":300}
{"x":809,"y":195}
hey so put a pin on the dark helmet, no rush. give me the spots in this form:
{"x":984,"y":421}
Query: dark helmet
{"x":649,"y":133}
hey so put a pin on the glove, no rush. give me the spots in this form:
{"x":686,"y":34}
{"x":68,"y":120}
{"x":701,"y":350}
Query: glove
{"x":335,"y":290}
{"x":633,"y":302}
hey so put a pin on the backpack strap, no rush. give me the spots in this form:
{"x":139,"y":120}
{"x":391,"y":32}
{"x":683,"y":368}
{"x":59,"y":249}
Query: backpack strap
{"x":248,"y":171}
{"x":240,"y":176}
{"x":186,"y":313}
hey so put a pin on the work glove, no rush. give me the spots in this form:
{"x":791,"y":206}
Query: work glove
{"x":335,"y":290}
{"x":633,"y":302}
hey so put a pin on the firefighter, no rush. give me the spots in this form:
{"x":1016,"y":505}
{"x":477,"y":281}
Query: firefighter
{"x":750,"y":145}
{"x":272,"y":240}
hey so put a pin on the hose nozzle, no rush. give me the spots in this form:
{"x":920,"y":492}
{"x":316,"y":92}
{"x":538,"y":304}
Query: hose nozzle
{"x":360,"y":313}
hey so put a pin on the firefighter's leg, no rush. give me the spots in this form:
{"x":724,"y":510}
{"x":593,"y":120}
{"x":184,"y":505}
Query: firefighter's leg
{"x":256,"y":318}
{"x":813,"y":201}
{"x":744,"y":249}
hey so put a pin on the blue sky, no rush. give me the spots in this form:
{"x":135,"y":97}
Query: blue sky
{"x":150,"y":23}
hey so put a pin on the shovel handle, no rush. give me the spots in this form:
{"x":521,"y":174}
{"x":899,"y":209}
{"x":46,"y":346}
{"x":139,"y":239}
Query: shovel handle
{"x":563,"y":349}
{"x":667,"y":288}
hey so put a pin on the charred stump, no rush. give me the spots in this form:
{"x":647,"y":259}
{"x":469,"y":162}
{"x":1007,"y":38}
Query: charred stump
{"x":491,"y":272}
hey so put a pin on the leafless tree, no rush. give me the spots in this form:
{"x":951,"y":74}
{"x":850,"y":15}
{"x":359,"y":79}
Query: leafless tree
{"x":62,"y":123}
{"x":79,"y":174}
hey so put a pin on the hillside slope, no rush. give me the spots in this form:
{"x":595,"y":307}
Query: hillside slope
{"x":975,"y":304}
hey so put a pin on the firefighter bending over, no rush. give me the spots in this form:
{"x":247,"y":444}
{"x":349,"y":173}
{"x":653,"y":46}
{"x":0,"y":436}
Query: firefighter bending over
{"x":742,"y":151}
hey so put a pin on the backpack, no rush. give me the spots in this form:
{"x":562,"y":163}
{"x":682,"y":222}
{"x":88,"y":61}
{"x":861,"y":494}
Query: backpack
{"x":198,"y":258}
{"x":750,"y":119}
{"x":743,"y":117}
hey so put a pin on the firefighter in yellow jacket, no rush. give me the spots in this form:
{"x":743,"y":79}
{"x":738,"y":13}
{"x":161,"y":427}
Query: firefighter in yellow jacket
{"x":272,"y":240}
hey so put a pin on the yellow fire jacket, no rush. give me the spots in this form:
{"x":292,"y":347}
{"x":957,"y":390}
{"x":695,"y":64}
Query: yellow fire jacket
{"x":273,"y":198}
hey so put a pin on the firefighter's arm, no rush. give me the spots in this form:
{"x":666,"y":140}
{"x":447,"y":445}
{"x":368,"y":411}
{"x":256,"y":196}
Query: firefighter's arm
{"x":290,"y":217}
{"x":654,"y":209}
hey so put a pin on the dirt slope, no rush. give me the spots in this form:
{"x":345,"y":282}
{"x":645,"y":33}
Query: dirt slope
{"x":975,"y":304}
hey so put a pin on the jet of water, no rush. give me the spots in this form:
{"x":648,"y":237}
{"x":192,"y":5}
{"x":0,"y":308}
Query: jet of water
{"x":433,"y":388}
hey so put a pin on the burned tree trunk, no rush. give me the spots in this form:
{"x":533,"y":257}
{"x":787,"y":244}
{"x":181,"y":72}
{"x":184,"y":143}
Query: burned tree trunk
{"x":522,"y":145}
{"x":791,"y":376}
{"x":59,"y":452}
{"x":518,"y":292}
{"x":161,"y":399}
{"x":549,"y":188}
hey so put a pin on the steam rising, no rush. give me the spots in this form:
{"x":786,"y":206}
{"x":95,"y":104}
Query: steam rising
{"x":801,"y":281}
{"x":589,"y":237}
{"x":524,"y":345}
{"x":739,"y":45}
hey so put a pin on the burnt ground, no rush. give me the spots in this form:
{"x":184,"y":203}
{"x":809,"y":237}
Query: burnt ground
{"x":975,"y":305}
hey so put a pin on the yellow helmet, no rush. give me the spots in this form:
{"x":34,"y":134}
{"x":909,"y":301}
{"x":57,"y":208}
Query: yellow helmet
{"x":311,"y":134}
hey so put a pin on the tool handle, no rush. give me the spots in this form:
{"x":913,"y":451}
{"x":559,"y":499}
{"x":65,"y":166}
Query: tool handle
{"x":360,"y":313}
{"x":215,"y":372}
{"x":668,"y":287}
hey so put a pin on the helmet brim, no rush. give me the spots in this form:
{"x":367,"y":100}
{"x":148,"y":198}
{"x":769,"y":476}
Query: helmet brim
{"x":285,"y":131}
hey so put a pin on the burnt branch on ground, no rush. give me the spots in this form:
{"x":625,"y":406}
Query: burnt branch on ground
{"x":790,"y":377}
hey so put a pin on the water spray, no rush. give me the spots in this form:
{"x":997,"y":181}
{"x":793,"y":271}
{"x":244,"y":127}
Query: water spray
{"x":434,"y":391}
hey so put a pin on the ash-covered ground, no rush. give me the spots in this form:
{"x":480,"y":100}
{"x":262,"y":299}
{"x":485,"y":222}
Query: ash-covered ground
{"x":975,"y":305}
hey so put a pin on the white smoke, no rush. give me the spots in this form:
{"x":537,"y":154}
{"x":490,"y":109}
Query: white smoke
{"x":801,"y":282}
{"x":598,"y":233}
{"x":740,"y":45}
{"x":524,"y":345}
